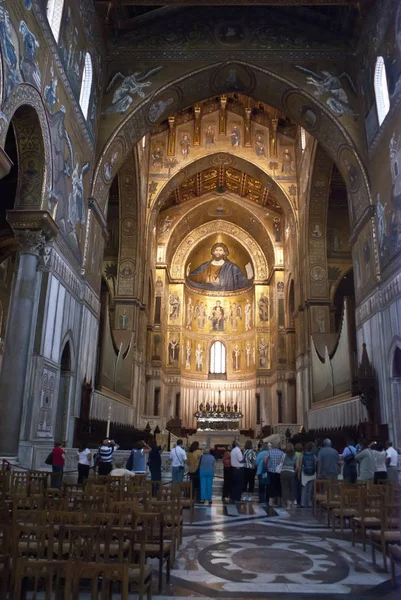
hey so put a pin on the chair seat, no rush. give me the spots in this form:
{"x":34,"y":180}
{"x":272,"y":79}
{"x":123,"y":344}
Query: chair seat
{"x":135,"y":575}
{"x":346,"y":512}
{"x":389,"y":535}
{"x":154,"y":549}
{"x":367,"y":520}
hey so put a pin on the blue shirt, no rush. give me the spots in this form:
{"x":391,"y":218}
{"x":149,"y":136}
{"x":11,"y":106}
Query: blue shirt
{"x":259,"y":461}
{"x":349,"y":450}
{"x":207,"y":463}
{"x":138,"y":461}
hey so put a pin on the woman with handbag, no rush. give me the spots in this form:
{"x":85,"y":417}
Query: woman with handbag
{"x":193,"y":458}
{"x":262,"y":472}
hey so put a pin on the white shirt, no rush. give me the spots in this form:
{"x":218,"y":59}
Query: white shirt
{"x":393,"y":455}
{"x":83,"y":457}
{"x":178,"y":456}
{"x":236,"y":457}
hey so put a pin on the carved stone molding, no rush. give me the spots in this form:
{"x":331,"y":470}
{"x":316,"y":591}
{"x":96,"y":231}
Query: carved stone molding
{"x":93,"y":205}
{"x":30,"y":242}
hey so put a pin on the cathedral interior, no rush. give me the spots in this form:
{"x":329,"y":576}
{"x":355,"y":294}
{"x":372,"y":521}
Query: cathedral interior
{"x":200,"y":213}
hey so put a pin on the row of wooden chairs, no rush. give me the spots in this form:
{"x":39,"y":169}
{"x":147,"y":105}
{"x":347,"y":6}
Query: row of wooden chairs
{"x":366,"y":508}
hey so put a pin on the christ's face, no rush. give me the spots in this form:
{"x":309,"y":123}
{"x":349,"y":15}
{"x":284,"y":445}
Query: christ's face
{"x":219,"y":253}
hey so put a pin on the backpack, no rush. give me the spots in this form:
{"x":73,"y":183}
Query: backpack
{"x":350,"y":458}
{"x":265,"y":475}
{"x":308,"y":464}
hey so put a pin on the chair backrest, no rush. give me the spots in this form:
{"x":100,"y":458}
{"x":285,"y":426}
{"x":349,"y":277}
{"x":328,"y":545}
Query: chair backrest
{"x":28,"y":517}
{"x":51,"y":577}
{"x":104,"y":519}
{"x":33,"y":541}
{"x":184,"y":490}
{"x":152,"y":524}
{"x":107,"y":573}
{"x":80,"y":543}
{"x":64,"y":517}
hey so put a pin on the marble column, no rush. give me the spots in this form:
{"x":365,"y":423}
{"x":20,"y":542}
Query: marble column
{"x":32,"y":229}
{"x":19,"y":330}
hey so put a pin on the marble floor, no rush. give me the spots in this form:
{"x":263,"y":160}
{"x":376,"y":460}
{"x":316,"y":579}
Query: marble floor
{"x":247,"y":551}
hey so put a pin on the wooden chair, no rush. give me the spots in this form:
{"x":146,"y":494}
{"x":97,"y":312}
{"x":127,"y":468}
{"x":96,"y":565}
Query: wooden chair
{"x":320,"y":491}
{"x":184,"y":490}
{"x":129,"y":546}
{"x":156,"y":544}
{"x":5,"y":558}
{"x":53,"y":499}
{"x":173,"y":521}
{"x":351,"y":499}
{"x":369,"y":517}
{"x":395,"y":559}
{"x":389,"y":532}
{"x":19,"y":485}
{"x":81,"y":543}
{"x":37,"y":482}
{"x":53,"y":576}
{"x":104,"y":519}
{"x":332,"y":500}
{"x":28,"y":517}
{"x":108,"y":574}
{"x":27,"y":503}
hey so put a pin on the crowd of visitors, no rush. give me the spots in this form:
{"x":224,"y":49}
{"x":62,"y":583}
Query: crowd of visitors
{"x":285,"y":476}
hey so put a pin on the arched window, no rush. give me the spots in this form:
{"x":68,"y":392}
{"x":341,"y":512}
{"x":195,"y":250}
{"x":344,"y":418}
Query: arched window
{"x":54,"y":12}
{"x":381,"y":90}
{"x":303,"y":139}
{"x":86,"y":86}
{"x":218,"y":358}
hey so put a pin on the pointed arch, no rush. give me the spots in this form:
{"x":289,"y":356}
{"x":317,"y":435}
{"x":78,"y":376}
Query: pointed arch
{"x":381,"y":90}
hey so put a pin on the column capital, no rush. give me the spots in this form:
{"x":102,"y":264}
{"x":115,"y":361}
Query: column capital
{"x":35,"y":221}
{"x":30,"y":242}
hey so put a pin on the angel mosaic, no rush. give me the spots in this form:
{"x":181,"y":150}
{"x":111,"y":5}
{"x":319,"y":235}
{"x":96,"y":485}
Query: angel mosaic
{"x":131,"y":85}
{"x":327,"y":83}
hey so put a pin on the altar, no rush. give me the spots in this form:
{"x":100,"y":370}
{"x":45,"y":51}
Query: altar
{"x":217,"y":424}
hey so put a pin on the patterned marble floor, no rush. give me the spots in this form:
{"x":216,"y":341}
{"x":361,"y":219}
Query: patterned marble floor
{"x":284,"y":555}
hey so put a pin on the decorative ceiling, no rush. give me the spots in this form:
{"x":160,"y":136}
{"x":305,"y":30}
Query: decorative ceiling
{"x":221,"y":179}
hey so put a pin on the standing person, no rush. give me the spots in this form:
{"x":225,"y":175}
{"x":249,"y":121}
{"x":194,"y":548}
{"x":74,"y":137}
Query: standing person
{"x":237,"y":472}
{"x":178,"y":457}
{"x":58,"y":462}
{"x":287,"y":476}
{"x":380,"y":456}
{"x":84,"y":462}
{"x":297,"y":479}
{"x":155,"y":464}
{"x":105,"y":453}
{"x":263,"y":474}
{"x":366,"y":462}
{"x":391,"y":462}
{"x":274,"y":458}
{"x":193,"y":457}
{"x":348,"y":456}
{"x":206,"y":473}
{"x":307,"y":469}
{"x":328,"y":461}
{"x":226,"y":475}
{"x":137,"y":459}
{"x":249,"y":470}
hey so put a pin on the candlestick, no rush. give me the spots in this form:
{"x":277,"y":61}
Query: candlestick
{"x":108,"y":421}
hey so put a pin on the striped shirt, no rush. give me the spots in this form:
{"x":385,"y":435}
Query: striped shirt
{"x":106,"y":453}
{"x":273,"y":458}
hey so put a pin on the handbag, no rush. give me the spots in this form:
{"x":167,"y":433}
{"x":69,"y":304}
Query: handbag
{"x":265,"y":475}
{"x":279,"y":467}
{"x":49,"y":459}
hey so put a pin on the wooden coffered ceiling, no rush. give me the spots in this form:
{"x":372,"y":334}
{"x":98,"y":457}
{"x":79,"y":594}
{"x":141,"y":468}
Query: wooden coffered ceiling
{"x":223,"y":179}
{"x":120,"y":16}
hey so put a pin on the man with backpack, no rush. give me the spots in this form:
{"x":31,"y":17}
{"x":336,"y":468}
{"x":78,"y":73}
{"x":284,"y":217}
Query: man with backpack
{"x":348,"y":457}
{"x":307,"y":468}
